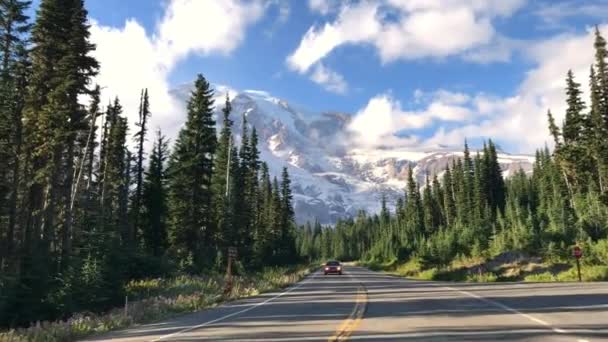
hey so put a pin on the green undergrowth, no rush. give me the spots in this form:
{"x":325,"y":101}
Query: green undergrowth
{"x":156,"y":299}
{"x":511,"y":266}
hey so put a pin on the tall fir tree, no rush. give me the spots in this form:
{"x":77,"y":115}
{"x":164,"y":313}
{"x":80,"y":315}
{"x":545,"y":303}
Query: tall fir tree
{"x":14,"y":27}
{"x":140,"y":139}
{"x":190,"y":171}
{"x":62,"y":67}
{"x":154,"y":199}
{"x":220,"y":182}
{"x":287,"y":222}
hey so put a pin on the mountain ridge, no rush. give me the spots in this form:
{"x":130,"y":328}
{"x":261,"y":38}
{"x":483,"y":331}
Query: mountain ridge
{"x":332,"y":179}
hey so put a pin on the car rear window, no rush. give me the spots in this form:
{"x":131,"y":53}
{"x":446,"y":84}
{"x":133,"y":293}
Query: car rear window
{"x":333,"y":263}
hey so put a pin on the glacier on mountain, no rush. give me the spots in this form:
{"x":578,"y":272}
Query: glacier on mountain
{"x":332,"y":179}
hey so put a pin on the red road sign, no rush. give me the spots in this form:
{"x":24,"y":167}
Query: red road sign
{"x":577,"y":252}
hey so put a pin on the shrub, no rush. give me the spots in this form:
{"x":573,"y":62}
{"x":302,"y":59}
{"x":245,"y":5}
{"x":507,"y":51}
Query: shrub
{"x":154,"y":299}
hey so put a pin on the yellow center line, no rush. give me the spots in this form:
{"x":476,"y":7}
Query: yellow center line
{"x":354,"y":319}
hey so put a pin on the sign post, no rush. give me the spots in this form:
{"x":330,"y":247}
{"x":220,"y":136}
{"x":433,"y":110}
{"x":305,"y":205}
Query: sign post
{"x":577,"y":252}
{"x":231,"y":255}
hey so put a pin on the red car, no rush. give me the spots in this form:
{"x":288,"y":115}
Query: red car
{"x":333,"y":267}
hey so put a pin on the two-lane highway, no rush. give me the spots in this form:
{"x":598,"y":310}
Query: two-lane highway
{"x":406,"y":310}
{"x":320,"y":307}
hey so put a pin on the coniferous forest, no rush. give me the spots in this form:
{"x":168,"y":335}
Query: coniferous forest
{"x":84,"y":208}
{"x":472,"y":211}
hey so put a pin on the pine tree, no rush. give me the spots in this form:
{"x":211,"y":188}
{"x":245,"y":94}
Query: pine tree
{"x":572,"y":159}
{"x":384,"y":213}
{"x":243,"y":210}
{"x":574,"y":121}
{"x":223,"y":168}
{"x":140,"y":139}
{"x":115,"y":170}
{"x":495,"y":186}
{"x":601,"y":69}
{"x":263,"y":228}
{"x":190,"y":171}
{"x":430,"y":214}
{"x":438,"y":201}
{"x":14,"y":25}
{"x":287,"y":220}
{"x":413,"y":208}
{"x":276,"y":216}
{"x":155,"y":199}
{"x":596,"y":131}
{"x":554,"y":130}
{"x":53,"y":118}
{"x":449,"y":198}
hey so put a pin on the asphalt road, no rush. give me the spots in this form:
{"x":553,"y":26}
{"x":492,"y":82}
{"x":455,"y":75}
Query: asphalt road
{"x":362,"y":305}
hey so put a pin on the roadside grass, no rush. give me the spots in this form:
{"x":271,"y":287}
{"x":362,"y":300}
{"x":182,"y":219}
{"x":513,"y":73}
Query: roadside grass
{"x":484,"y":270}
{"x":156,"y":299}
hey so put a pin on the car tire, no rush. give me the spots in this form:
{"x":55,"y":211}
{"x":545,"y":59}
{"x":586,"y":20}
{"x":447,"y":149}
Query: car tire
{"x":325,"y":273}
{"x":340,"y":273}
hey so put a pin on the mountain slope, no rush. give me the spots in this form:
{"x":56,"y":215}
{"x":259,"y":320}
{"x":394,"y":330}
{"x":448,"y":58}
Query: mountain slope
{"x":332,"y":180}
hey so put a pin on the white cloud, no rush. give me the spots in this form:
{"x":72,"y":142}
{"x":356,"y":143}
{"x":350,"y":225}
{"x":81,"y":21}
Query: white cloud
{"x":520,"y":121}
{"x":182,"y":30}
{"x":424,"y":28}
{"x":383,"y":117}
{"x":132,"y":59}
{"x":356,"y":23}
{"x":329,"y":79}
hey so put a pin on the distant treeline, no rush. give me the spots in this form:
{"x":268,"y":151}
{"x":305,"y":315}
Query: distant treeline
{"x":472,"y":210}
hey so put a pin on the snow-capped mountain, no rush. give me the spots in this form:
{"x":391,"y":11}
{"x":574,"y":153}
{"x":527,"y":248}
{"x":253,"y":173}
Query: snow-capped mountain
{"x":332,"y":180}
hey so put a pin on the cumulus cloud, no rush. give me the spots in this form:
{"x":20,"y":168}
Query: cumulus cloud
{"x":521,"y":120}
{"x":407,"y":29}
{"x":383,"y":118}
{"x":424,"y":28}
{"x":132,"y":59}
{"x":518,"y":121}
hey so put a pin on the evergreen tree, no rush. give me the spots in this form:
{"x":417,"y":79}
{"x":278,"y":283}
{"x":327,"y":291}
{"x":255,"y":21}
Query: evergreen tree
{"x":263,"y":228}
{"x":413,"y":208}
{"x":384,"y":213}
{"x":287,"y":221}
{"x":14,"y":26}
{"x":601,"y":69}
{"x":191,"y":230}
{"x":428,"y":205}
{"x":596,"y":131}
{"x":495,"y":185}
{"x":61,"y":69}
{"x":140,"y":139}
{"x":554,"y":130}
{"x":449,"y":198}
{"x":574,"y":121}
{"x":220,"y":183}
{"x":155,"y":199}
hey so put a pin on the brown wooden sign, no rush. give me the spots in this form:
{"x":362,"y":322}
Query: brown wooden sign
{"x":232,"y":252}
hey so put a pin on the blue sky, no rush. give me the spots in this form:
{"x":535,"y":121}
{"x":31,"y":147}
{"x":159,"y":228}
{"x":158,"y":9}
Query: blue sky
{"x":412,"y":72}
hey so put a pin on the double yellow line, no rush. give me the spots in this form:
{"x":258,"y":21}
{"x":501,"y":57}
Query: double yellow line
{"x":354,"y":319}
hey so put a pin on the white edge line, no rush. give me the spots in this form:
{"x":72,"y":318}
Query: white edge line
{"x":506,"y":308}
{"x":236,"y":313}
